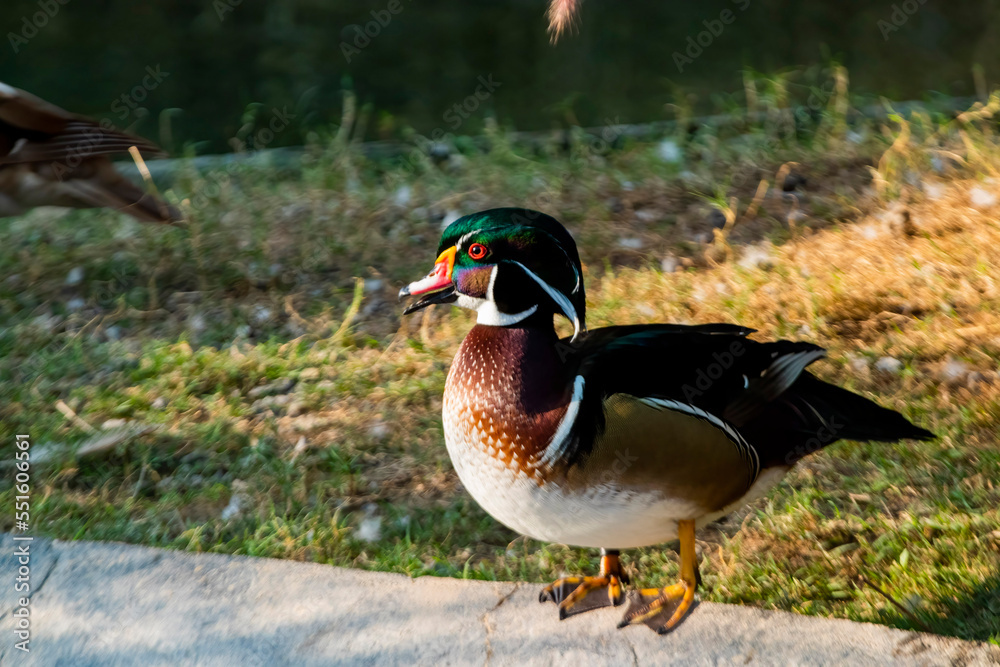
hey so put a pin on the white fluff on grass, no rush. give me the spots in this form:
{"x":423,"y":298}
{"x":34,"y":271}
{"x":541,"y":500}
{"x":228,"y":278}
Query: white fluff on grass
{"x":889,"y":365}
{"x":370,"y":529}
{"x":233,"y":509}
{"x":982,"y":198}
{"x":669,"y":151}
{"x":402,"y":196}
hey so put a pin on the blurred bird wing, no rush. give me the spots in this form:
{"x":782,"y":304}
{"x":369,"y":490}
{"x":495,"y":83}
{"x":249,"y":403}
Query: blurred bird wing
{"x":24,"y":111}
{"x":77,"y":141}
{"x":109,"y":189}
{"x":37,"y":131}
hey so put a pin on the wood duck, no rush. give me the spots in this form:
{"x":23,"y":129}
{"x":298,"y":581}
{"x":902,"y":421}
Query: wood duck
{"x":51,"y":157}
{"x":620,"y":437}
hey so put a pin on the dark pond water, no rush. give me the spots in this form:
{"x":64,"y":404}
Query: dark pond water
{"x":213,"y":59}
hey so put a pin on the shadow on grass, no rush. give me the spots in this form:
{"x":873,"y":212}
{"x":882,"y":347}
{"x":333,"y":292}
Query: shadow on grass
{"x":970,"y":613}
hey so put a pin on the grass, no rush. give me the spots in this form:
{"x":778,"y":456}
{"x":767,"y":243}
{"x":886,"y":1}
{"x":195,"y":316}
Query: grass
{"x":297,"y":416}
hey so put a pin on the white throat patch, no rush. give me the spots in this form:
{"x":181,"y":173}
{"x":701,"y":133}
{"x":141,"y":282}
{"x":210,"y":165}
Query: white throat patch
{"x":487,"y":311}
{"x":488,"y":314}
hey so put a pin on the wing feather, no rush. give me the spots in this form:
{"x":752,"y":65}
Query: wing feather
{"x":34,"y":130}
{"x":713,"y":372}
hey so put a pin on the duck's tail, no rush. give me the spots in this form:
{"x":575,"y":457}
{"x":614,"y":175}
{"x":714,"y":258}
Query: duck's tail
{"x":812,"y":414}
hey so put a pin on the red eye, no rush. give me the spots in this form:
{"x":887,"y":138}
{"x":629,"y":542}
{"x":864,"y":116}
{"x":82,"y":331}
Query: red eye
{"x":477,"y":251}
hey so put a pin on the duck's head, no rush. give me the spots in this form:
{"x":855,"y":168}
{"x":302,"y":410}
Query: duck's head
{"x":507,"y":264}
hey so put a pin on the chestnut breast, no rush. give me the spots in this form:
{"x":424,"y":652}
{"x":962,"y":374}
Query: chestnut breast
{"x":505,"y":396}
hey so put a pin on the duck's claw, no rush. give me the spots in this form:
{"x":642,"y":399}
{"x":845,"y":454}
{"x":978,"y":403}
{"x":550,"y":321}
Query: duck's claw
{"x":575,"y":595}
{"x":651,"y":605}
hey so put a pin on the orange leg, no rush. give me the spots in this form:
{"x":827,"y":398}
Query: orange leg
{"x":571,"y":593}
{"x":655,"y":600}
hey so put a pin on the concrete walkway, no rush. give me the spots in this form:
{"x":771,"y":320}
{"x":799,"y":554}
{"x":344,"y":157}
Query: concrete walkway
{"x":113,"y":604}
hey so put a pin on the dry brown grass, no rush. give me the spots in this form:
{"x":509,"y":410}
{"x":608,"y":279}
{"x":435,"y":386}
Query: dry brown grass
{"x":931,"y":286}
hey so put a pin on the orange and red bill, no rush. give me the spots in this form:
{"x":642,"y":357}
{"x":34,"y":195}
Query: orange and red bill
{"x":437,"y":285}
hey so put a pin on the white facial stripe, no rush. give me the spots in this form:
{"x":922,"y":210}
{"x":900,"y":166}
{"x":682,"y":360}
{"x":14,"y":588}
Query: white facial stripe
{"x":493,"y":280}
{"x":559,"y":444}
{"x":466,"y":237}
{"x":564,"y":303}
{"x":489,"y":314}
{"x":569,"y":260}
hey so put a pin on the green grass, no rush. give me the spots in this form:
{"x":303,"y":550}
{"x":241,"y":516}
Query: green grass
{"x":342,"y":459}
